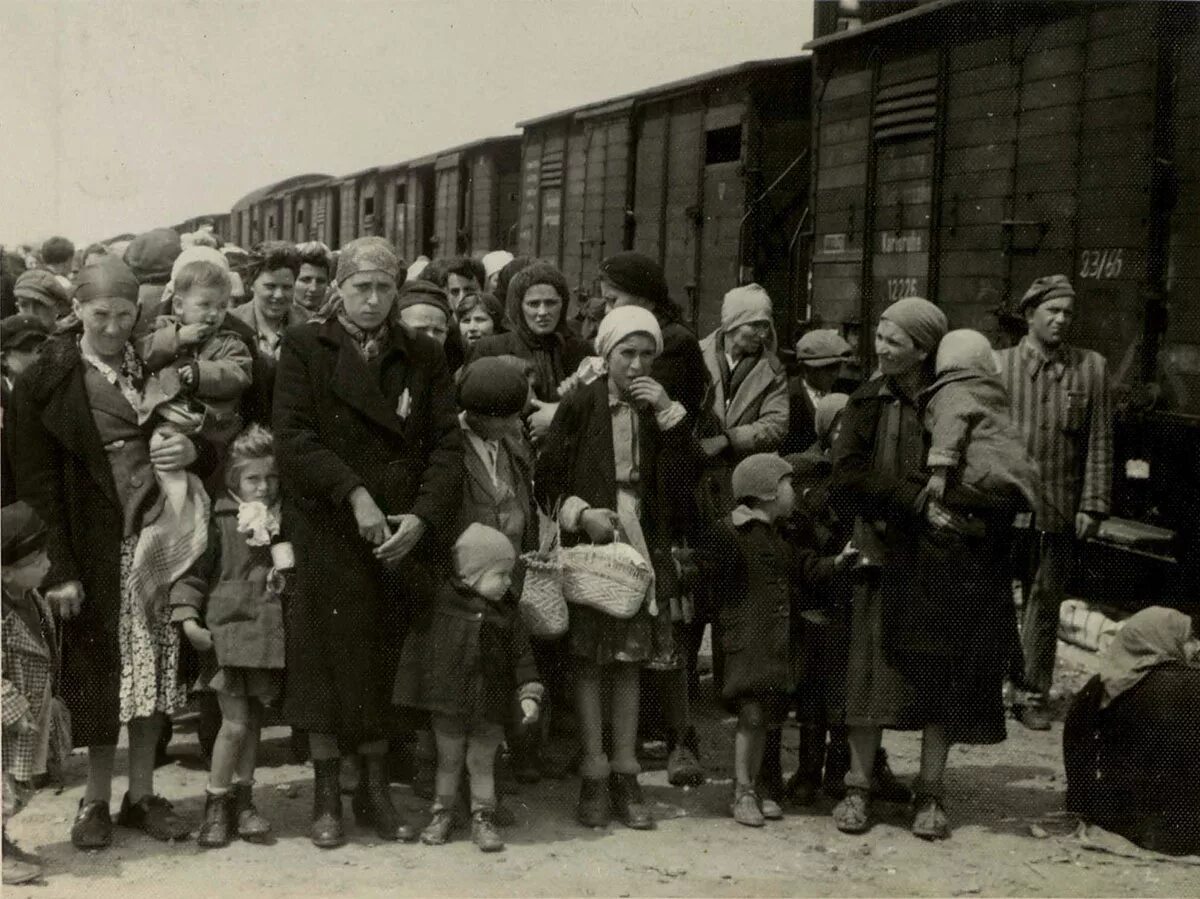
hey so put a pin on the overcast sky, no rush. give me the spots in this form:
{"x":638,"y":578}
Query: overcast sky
{"x":121,"y":116}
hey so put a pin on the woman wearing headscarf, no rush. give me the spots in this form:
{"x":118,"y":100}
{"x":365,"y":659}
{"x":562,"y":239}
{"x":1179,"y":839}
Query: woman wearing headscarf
{"x":88,"y":467}
{"x":929,"y":630}
{"x":537,"y":313}
{"x":1131,"y":742}
{"x":370,"y":467}
{"x":631,"y":279}
{"x":618,"y":460}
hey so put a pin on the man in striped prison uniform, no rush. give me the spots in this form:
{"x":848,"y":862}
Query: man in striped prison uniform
{"x":1059,"y":398}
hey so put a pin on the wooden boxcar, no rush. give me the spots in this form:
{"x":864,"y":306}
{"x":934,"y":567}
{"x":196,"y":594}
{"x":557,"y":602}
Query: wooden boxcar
{"x":964,"y":148}
{"x":218,"y":223}
{"x":262,"y":214}
{"x":310,"y":212}
{"x":708,"y":175}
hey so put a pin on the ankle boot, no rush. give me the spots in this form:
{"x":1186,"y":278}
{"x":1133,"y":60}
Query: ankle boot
{"x":593,"y":809}
{"x":251,"y":826}
{"x":327,"y":832}
{"x":373,"y":807}
{"x":628,"y":806}
{"x":217,"y":829}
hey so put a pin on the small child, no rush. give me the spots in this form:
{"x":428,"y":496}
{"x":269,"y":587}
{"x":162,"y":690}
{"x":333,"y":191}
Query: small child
{"x":973,"y":443}
{"x":212,"y":362}
{"x":27,"y":657}
{"x":230,"y":608}
{"x":464,"y":667}
{"x":762,"y":578}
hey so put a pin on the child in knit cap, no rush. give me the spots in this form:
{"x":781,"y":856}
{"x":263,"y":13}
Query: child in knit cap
{"x":763,"y":576}
{"x":464,"y":666}
{"x":973,"y":444}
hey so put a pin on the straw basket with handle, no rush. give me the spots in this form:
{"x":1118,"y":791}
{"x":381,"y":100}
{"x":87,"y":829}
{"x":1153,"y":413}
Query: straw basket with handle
{"x":612,"y":578}
{"x":541,"y":603}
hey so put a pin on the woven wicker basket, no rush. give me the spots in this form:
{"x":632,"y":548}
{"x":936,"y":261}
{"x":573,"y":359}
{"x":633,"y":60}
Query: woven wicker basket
{"x":542,"y":605}
{"x":612,"y":578}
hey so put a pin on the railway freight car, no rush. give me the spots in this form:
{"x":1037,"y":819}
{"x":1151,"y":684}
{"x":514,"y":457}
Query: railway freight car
{"x":217,"y":223}
{"x":708,"y":175}
{"x":260,"y":215}
{"x":963,"y":148}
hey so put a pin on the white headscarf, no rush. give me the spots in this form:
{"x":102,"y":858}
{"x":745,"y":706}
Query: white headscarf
{"x":622,"y":322}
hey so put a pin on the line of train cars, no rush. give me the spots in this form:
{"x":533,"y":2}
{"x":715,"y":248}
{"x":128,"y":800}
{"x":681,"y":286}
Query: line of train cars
{"x":954,"y":149}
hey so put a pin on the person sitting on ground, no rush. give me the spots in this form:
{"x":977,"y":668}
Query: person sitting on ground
{"x":1131,"y":745}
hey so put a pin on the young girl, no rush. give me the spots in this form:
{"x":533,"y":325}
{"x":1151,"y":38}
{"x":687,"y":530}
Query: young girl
{"x":464,"y":667}
{"x":230,"y":609}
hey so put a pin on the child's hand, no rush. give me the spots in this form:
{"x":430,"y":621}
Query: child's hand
{"x":25,"y":726}
{"x":199,"y":637}
{"x":937,"y":485}
{"x":193,"y":334}
{"x":530,"y":711}
{"x":847,"y":557}
{"x":187,"y":376}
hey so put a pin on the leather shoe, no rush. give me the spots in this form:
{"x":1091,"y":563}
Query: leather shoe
{"x":1034,"y":717}
{"x":593,"y":809}
{"x":93,"y":827}
{"x":628,"y":806}
{"x":155,"y":816}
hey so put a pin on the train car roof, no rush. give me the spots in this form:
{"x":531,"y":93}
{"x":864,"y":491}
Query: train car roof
{"x":286,"y":184}
{"x":923,"y":10}
{"x":670,"y":87}
{"x":431,"y":158}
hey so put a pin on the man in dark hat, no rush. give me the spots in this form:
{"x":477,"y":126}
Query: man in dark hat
{"x":1059,"y":398}
{"x":39,"y":293}
{"x":821,"y":355}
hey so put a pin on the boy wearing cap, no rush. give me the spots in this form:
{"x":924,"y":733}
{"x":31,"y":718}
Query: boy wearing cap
{"x":1060,"y":401}
{"x":821,"y":354}
{"x":761,"y":577}
{"x":40,"y":294}
{"x":27,"y":660}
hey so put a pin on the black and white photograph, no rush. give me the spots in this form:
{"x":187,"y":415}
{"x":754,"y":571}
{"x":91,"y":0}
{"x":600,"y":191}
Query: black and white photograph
{"x":600,"y":448}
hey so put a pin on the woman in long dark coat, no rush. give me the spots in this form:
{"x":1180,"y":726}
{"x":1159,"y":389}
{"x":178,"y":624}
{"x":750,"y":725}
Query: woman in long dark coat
{"x":370,"y":465}
{"x":631,"y":279}
{"x":931,"y":612}
{"x":84,"y":462}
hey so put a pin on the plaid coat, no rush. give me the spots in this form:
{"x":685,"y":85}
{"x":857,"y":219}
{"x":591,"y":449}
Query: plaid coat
{"x":27,"y":661}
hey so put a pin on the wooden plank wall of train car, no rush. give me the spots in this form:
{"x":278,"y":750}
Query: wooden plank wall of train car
{"x":595,"y":195}
{"x":448,"y":206}
{"x":494,"y":197}
{"x":667,"y":193}
{"x":841,"y":119}
{"x":542,"y":167}
{"x":1179,"y":358}
{"x":348,"y":211}
{"x":408,"y":226}
{"x":508,"y":198}
{"x":731,"y":148}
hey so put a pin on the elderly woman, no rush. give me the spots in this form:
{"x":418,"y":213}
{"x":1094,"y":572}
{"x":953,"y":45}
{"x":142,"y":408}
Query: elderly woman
{"x":1131,"y":745}
{"x":633,"y":280}
{"x":537,"y":311}
{"x":312,"y":280}
{"x":928,"y":626}
{"x":479,"y":315}
{"x":370,"y":469}
{"x":619,"y":458}
{"x":271,"y":274}
{"x":88,"y":467}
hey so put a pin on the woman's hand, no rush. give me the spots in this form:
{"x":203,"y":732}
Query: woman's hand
{"x":539,"y":419}
{"x":173,"y":453}
{"x":938,"y":515}
{"x":599,"y":524}
{"x":67,"y":598}
{"x":649,"y":391}
{"x":199,"y":637}
{"x":372,"y":525}
{"x":409,"y":531}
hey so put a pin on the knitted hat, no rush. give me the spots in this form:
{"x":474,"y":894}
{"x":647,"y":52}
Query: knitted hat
{"x":107,"y":277}
{"x":40,"y":286}
{"x":21,"y":532}
{"x":822,"y":348}
{"x":924,"y":322}
{"x":636,"y":274}
{"x":422,"y":293}
{"x":1045,"y":289}
{"x":758,"y":476}
{"x":491,"y":386}
{"x":367,"y":254}
{"x":20,"y":331}
{"x":826,"y":412}
{"x":478,"y":549}
{"x":199,"y":253}
{"x":495,"y":260}
{"x":151,"y":255}
{"x":621,"y":323}
{"x":965,"y":350}
{"x":744,"y":306}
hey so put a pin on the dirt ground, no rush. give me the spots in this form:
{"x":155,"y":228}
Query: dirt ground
{"x":1011,"y":837}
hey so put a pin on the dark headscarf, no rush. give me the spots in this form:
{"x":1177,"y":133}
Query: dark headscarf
{"x":641,"y":276}
{"x":419,"y":292}
{"x":547,"y":349}
{"x":107,"y":277}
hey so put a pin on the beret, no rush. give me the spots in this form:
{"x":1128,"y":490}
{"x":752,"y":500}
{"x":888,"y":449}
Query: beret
{"x":151,"y":255}
{"x":491,"y":386}
{"x":637,"y":274}
{"x":423,"y":293}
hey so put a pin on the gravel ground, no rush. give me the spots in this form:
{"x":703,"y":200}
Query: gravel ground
{"x":1011,"y":837}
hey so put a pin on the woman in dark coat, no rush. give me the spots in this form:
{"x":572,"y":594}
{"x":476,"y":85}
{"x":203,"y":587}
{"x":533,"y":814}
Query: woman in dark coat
{"x":631,"y":279}
{"x":619,"y":457}
{"x":536,"y":307}
{"x":370,"y":468}
{"x":84,"y":462}
{"x":921,"y":656}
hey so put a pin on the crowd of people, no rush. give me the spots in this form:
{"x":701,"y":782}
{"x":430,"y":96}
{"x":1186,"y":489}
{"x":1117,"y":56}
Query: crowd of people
{"x":358,"y":493}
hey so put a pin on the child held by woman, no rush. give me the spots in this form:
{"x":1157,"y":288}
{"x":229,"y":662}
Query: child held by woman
{"x":230,"y":608}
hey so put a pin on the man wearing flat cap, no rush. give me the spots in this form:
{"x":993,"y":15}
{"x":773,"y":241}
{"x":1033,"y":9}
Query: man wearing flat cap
{"x":821,"y":354}
{"x":1059,"y":398}
{"x":40,"y":294}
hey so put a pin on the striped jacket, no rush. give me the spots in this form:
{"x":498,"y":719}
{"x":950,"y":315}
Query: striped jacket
{"x":1062,"y":406}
